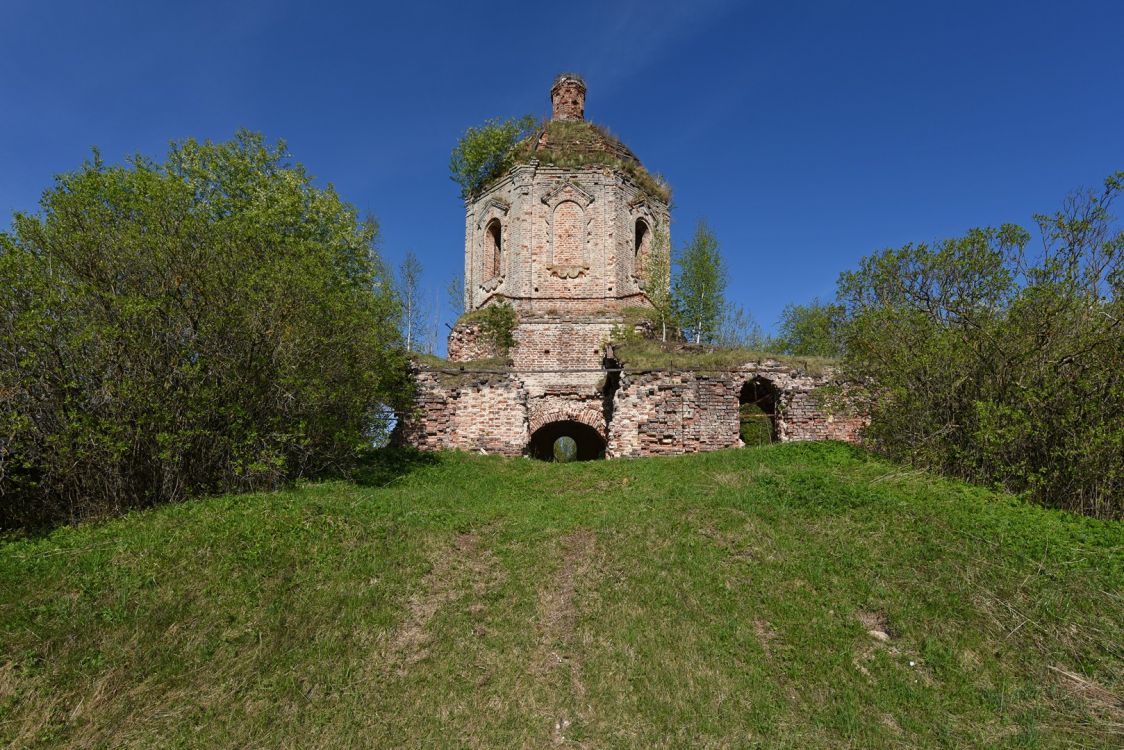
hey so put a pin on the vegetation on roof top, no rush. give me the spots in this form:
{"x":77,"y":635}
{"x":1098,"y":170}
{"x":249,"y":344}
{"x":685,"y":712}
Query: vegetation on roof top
{"x":450,"y":373}
{"x":650,"y":354}
{"x":485,"y":153}
{"x":582,"y":143}
{"x":638,"y":345}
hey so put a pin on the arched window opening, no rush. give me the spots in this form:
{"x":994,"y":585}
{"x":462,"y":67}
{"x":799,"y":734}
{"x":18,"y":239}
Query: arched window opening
{"x":641,"y":246}
{"x":591,"y":445}
{"x":493,"y":249}
{"x":757,"y":411}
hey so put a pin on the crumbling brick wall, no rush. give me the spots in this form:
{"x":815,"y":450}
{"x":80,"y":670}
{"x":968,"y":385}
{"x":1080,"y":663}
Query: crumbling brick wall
{"x":810,"y":416}
{"x":659,"y":413}
{"x":651,"y":413}
{"x":468,"y":412}
{"x":668,"y":413}
{"x":467,"y":342}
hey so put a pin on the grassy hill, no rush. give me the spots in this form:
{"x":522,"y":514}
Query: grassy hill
{"x":789,"y":596}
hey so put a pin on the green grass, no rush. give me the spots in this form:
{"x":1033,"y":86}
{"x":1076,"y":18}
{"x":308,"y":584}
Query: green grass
{"x":756,"y":426}
{"x":717,"y":601}
{"x":642,"y":353}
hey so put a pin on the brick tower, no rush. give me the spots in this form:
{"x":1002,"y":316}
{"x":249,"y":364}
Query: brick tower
{"x":568,"y":229}
{"x":563,"y":237}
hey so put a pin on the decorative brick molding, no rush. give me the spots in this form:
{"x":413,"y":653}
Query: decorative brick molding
{"x":568,"y":238}
{"x":567,"y":272}
{"x":567,"y":190}
{"x":492,"y":208}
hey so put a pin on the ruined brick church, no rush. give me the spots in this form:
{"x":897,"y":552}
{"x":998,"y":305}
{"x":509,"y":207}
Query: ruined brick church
{"x":564,"y":237}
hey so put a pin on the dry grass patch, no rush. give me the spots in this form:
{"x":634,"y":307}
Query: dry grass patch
{"x":558,"y":649}
{"x":455,"y":569}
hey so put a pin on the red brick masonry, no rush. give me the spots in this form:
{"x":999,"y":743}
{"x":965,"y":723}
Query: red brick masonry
{"x":647,"y":414}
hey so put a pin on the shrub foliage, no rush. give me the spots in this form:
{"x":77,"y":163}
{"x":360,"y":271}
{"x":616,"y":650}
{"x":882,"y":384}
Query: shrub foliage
{"x":485,"y":152}
{"x":810,"y":330}
{"x":211,"y":323}
{"x":973,"y":359}
{"x":755,"y":426}
{"x":498,"y":321}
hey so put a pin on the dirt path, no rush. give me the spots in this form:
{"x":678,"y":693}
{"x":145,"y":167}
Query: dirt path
{"x":457,"y":568}
{"x":557,"y":616}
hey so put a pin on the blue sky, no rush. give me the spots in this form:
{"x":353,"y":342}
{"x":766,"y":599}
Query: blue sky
{"x":808,"y":134}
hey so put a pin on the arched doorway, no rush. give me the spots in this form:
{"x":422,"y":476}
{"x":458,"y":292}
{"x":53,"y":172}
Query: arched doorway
{"x":591,"y":444}
{"x":757,"y":411}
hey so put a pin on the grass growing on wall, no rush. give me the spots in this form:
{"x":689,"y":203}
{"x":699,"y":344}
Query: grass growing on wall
{"x":640,"y":353}
{"x":577,"y":144}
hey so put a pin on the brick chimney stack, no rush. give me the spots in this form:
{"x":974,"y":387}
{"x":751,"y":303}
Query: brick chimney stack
{"x":568,"y":97}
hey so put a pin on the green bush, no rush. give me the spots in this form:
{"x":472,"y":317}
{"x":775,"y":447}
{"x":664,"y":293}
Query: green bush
{"x":498,"y":322}
{"x":810,"y":330}
{"x":485,"y":152}
{"x":207,"y":324}
{"x":756,"y":425}
{"x":975,"y":360}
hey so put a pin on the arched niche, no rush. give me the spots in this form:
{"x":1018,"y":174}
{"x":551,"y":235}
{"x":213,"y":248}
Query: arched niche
{"x":641,"y":246}
{"x":493,"y":249}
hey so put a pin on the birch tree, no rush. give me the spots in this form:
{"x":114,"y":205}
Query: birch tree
{"x":409,"y":289}
{"x":700,"y":286}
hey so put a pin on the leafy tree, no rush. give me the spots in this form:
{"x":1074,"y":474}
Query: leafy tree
{"x":657,"y":281}
{"x":810,"y":330}
{"x":409,"y":289}
{"x":211,"y":323}
{"x":484,"y":153}
{"x":700,"y":286}
{"x":975,"y":360}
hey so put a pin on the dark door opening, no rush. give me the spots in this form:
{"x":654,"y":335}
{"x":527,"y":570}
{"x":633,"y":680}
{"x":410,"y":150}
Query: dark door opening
{"x":757,"y":411}
{"x":591,"y":445}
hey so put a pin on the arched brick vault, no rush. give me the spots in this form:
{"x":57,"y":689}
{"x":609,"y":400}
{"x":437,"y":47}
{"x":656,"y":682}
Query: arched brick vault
{"x":574,"y":413}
